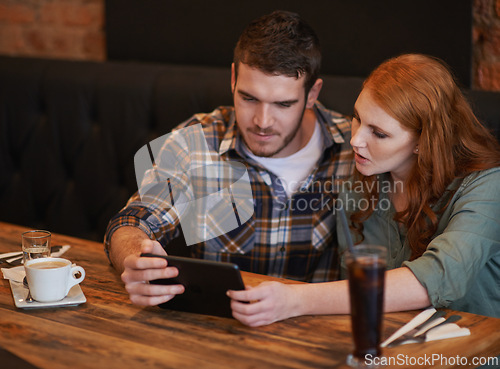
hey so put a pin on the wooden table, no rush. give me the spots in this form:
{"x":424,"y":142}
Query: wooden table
{"x":109,"y":332}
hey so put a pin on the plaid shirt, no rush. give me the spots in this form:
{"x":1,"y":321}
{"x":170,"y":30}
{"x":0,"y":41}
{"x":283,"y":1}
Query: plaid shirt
{"x":292,"y":238}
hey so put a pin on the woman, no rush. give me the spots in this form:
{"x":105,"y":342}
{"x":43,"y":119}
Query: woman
{"x":427,"y":186}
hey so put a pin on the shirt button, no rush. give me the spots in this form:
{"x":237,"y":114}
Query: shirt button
{"x":282,"y":249}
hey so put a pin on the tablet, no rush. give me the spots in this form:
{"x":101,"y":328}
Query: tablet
{"x":205,"y":283}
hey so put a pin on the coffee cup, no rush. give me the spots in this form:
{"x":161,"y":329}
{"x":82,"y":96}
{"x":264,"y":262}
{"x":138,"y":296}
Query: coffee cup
{"x":50,"y":279}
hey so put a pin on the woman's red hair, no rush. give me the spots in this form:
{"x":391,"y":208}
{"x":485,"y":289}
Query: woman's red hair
{"x":420,"y":92}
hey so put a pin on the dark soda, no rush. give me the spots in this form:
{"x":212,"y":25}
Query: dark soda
{"x":366,"y":290}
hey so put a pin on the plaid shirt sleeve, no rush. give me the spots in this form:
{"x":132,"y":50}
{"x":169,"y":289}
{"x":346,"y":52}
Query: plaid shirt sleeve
{"x":152,"y":210}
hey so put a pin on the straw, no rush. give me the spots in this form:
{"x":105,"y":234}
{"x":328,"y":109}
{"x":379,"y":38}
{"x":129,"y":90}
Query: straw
{"x":348,"y":237}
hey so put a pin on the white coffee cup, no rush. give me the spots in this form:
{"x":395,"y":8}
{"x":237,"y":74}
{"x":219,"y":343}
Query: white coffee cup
{"x":50,"y":279}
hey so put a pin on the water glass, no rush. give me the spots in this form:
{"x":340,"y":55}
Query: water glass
{"x":36,"y":244}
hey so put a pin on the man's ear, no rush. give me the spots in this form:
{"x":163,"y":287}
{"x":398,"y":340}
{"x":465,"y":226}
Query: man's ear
{"x":233,"y":78}
{"x":313,"y":94}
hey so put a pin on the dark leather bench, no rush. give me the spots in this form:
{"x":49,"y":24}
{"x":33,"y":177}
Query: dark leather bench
{"x":69,"y":131}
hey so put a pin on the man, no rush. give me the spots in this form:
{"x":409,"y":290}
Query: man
{"x":294,"y":150}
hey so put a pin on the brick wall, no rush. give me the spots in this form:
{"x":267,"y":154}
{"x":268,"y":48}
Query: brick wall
{"x":70,"y":29}
{"x":74,"y":29}
{"x":486,"y":45}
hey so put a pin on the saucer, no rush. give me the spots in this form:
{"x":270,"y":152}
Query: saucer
{"x":19,"y":292}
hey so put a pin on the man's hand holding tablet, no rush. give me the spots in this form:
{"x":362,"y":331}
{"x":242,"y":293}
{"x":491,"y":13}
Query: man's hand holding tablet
{"x":205,"y":285}
{"x":138,"y":271}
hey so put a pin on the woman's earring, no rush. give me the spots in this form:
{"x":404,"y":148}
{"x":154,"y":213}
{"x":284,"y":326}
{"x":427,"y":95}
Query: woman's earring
{"x":416,"y":150}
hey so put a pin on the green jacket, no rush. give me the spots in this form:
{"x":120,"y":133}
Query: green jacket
{"x":461,"y":267}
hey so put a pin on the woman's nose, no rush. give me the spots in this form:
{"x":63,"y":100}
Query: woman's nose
{"x":357,"y":138}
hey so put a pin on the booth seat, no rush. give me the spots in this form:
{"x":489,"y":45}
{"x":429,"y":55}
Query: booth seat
{"x":69,"y":131}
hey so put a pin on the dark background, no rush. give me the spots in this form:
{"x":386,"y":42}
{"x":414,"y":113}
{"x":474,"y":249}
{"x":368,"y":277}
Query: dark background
{"x":356,"y":35}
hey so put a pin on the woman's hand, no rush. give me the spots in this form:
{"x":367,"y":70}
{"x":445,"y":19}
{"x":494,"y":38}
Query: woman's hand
{"x":264,"y":304}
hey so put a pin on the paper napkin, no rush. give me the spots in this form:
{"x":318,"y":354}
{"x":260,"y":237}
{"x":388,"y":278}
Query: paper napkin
{"x":15,"y":274}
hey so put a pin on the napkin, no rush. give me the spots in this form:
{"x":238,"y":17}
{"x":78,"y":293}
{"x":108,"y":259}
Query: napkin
{"x":448,"y":330}
{"x":17,"y":273}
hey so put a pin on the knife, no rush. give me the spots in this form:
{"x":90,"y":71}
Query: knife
{"x":410,"y":334}
{"x":423,"y":336}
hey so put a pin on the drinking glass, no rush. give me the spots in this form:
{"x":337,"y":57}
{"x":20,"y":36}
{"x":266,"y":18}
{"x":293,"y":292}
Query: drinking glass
{"x":366,"y":274}
{"x":36,"y":244}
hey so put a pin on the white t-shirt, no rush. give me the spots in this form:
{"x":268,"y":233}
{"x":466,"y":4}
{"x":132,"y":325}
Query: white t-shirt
{"x":294,"y":169}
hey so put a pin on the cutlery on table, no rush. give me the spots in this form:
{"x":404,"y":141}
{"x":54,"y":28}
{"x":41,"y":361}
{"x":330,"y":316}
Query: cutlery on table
{"x":16,"y":258}
{"x":411,"y":333}
{"x":421,"y":337}
{"x":28,"y":297}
